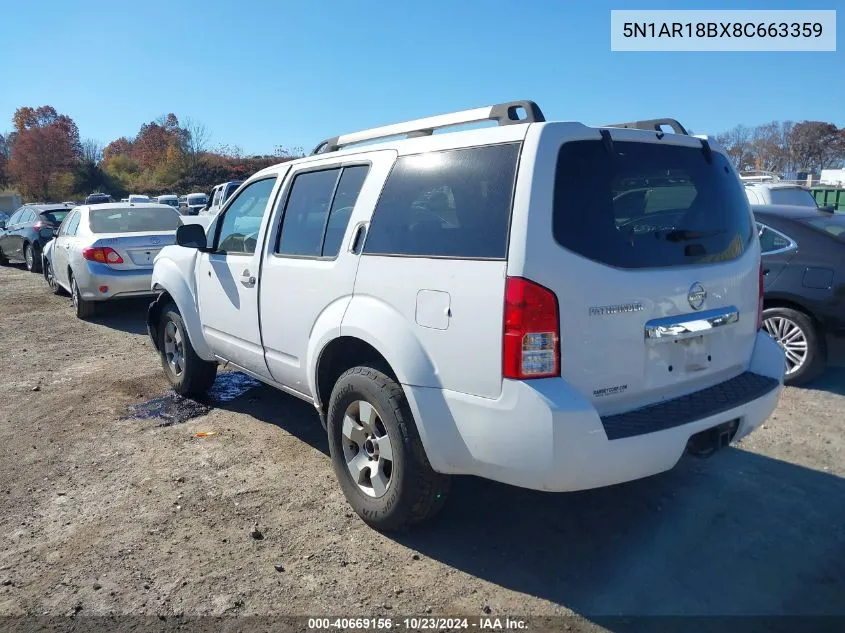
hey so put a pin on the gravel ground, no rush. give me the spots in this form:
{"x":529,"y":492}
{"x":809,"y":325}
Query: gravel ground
{"x":108,"y":515}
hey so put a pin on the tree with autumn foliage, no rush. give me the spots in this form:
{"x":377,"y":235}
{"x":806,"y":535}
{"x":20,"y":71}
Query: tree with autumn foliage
{"x":45,"y":152}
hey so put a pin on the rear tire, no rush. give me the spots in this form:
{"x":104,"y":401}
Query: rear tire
{"x":798,"y":336}
{"x":377,"y":454}
{"x":188,"y":374}
{"x":84,"y":309}
{"x":32,"y":257}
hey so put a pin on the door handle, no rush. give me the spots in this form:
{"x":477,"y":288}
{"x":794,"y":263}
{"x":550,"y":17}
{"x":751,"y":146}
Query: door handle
{"x":247,"y":279}
{"x":357,"y":238}
{"x":765,"y":271}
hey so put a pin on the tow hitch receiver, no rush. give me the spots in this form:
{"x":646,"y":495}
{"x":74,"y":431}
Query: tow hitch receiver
{"x":707,"y":442}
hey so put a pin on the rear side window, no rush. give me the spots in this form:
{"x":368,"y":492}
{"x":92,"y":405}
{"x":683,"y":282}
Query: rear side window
{"x":793,"y":196}
{"x":772,"y":241}
{"x":73,"y":224}
{"x":318,"y":210}
{"x":454,"y":203}
{"x":648,"y":205}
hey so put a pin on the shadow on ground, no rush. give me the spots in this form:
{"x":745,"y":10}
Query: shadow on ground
{"x":126,"y":315}
{"x":832,"y":380}
{"x":739,"y":534}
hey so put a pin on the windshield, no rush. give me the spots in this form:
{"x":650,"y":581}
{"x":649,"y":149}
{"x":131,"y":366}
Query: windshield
{"x":173,"y":202}
{"x":793,"y":196}
{"x":648,"y":205}
{"x":55,"y":217}
{"x":834,"y":225}
{"x":133,"y":220}
{"x":197,"y":200}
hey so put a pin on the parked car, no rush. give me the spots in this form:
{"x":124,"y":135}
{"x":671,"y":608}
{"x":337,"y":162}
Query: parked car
{"x":169,"y":200}
{"x":804,"y":275}
{"x":219,"y":195}
{"x":24,"y":234}
{"x":98,"y":198}
{"x":767,"y":193}
{"x":138,"y":199}
{"x":475,"y":302}
{"x":106,"y":252}
{"x":195,"y":202}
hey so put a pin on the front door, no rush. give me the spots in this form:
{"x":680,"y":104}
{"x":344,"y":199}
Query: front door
{"x":228,"y":279}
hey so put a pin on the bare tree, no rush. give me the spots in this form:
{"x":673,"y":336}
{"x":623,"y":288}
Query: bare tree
{"x":737,"y":143}
{"x":196,"y":138}
{"x":92,"y":151}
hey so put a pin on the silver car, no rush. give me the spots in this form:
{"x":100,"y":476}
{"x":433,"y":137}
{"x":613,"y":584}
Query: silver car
{"x":106,"y":251}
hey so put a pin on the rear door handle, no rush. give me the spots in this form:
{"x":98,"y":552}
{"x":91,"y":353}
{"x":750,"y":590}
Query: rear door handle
{"x":357,"y":237}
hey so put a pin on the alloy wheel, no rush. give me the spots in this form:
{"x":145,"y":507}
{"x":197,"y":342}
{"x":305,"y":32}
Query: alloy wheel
{"x":792,"y":340}
{"x":174,"y":348}
{"x":366,"y":449}
{"x":51,"y":278}
{"x":27,"y":254}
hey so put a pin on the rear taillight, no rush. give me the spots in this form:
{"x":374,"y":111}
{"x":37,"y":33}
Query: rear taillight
{"x":760,"y":299}
{"x":103,"y":255}
{"x":531,"y":340}
{"x":41,"y":224}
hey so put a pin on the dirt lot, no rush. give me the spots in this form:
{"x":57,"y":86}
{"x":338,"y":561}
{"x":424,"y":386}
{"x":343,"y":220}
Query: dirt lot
{"x":107,"y":515}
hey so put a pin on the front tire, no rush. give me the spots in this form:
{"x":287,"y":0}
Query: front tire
{"x":188,"y":374}
{"x":32,"y":259}
{"x":50,"y":277}
{"x":799,"y":338}
{"x":377,"y":454}
{"x":84,"y":309}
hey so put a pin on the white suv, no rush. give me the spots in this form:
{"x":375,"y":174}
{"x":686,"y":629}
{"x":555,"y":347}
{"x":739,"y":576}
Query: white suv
{"x":549,"y":305}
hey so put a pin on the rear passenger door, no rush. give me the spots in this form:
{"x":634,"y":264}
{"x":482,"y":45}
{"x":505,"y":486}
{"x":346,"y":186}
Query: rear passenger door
{"x":62,"y":245}
{"x":308,"y":271}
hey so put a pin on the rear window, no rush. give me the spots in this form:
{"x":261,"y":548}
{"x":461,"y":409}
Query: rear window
{"x":133,"y":220}
{"x":834,"y":225}
{"x":648,"y":205}
{"x":453,"y":203}
{"x":55,"y":217}
{"x":793,"y":196}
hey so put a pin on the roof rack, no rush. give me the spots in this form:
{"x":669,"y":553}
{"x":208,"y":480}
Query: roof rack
{"x":655,"y":125}
{"x":503,"y":113}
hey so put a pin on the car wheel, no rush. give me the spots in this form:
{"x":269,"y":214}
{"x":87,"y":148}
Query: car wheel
{"x":188,"y":374}
{"x":50,"y":276}
{"x":377,"y":454}
{"x":798,"y":336}
{"x":32,"y":259}
{"x":84,"y":309}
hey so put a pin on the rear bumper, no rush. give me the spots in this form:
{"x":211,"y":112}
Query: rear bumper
{"x":120,"y":283}
{"x":544,"y":435}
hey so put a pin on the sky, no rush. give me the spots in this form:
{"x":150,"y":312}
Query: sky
{"x":259,"y":74}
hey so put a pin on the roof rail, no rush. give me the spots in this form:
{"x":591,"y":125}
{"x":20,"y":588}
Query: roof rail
{"x":655,"y":125}
{"x":503,"y":113}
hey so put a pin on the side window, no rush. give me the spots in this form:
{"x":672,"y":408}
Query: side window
{"x":306,"y":211}
{"x":70,"y":227}
{"x":454,"y":203}
{"x":351,"y":181}
{"x":16,"y":216}
{"x":238,"y":230}
{"x":771,"y":240}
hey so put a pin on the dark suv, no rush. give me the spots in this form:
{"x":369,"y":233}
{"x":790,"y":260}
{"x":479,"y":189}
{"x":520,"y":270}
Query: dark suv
{"x":98,"y":198}
{"x":23,"y":236}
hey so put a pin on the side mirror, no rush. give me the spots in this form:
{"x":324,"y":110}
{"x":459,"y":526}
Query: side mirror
{"x":828,"y":208}
{"x":192,"y":236}
{"x":55,"y":231}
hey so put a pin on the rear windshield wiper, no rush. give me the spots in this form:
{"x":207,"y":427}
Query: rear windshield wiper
{"x":684,"y":235}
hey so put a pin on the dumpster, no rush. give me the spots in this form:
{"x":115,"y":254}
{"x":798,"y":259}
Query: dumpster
{"x":833,"y":196}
